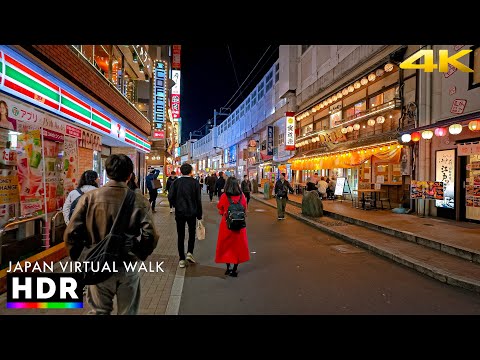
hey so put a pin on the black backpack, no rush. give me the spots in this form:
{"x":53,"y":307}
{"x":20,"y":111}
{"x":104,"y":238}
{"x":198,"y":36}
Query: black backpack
{"x":74,"y":203}
{"x":236,"y":215}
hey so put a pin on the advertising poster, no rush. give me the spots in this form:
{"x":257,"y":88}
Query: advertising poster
{"x":428,"y":190}
{"x":30,"y":172}
{"x":9,"y":196}
{"x":70,"y":164}
{"x":445,"y":172}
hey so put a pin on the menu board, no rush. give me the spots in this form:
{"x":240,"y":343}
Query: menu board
{"x":339,"y":186}
{"x":428,"y":190}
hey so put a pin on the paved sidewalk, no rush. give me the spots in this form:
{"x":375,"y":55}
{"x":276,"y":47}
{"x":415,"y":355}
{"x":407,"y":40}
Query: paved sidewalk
{"x":158,"y":297}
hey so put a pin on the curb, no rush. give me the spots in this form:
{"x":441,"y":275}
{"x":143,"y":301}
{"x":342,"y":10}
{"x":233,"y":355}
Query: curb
{"x":431,"y":271}
{"x":173,"y":305}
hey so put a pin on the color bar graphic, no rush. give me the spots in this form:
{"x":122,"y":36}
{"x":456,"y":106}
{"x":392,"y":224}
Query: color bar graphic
{"x":44,"y":305}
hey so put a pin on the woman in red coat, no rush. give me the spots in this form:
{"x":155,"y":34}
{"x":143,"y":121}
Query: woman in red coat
{"x":232,"y":245}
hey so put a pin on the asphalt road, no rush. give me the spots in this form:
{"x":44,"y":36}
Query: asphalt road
{"x":297,"y":270}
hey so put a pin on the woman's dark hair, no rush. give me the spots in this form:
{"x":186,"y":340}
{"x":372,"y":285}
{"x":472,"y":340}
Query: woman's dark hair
{"x":89,"y":177}
{"x":232,"y":187}
{"x":118,"y":167}
{"x":132,"y":184}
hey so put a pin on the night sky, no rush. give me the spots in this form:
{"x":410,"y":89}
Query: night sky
{"x":208,"y":79}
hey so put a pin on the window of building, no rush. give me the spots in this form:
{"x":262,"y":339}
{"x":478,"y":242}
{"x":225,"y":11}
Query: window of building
{"x":277,"y":72}
{"x":356,"y":110}
{"x":322,"y":124}
{"x":474,"y":77}
{"x":382,"y":98}
{"x":307,"y":128}
{"x":281,"y":139}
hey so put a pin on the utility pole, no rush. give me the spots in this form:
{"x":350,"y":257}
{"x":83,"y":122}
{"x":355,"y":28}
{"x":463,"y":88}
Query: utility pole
{"x":223,"y":111}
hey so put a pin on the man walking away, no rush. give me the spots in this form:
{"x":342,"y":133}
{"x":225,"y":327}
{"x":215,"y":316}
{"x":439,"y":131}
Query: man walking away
{"x":92,"y":221}
{"x":282,"y":187}
{"x":246,"y":187}
{"x":186,"y":197}
{"x":151,"y":190}
{"x":220,"y":184}
{"x":211,"y":181}
{"x":170,"y":181}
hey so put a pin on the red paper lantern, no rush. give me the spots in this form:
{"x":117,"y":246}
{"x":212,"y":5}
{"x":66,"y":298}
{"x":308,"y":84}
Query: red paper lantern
{"x":474,"y":125}
{"x":441,"y":131}
{"x":416,"y":136}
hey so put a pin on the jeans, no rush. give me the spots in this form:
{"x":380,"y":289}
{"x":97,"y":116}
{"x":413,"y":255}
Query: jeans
{"x":192,"y":223}
{"x":281,"y":204}
{"x":153,"y":197}
{"x":125,"y":285}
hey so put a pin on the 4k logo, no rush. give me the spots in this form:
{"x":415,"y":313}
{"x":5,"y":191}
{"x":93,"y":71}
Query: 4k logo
{"x":443,"y":61}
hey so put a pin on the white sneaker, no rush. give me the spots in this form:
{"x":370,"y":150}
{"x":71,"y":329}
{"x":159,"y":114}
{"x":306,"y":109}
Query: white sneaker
{"x":190,"y":258}
{"x":171,"y":210}
{"x":182,"y":263}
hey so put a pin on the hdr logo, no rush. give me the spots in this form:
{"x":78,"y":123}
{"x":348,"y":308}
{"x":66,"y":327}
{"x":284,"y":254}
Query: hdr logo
{"x":44,"y":291}
{"x":443,"y":61}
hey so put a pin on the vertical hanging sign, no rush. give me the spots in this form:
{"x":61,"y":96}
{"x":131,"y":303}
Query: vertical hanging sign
{"x":159,"y":95}
{"x":290,"y":131}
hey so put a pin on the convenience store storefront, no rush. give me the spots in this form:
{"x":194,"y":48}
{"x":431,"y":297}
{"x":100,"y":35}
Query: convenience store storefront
{"x":50,"y":132}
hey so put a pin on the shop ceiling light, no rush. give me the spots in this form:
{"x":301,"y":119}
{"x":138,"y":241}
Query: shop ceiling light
{"x":441,"y":131}
{"x":364,"y":81}
{"x":455,"y":129}
{"x":380,"y":119}
{"x":416,"y":136}
{"x":427,"y":134}
{"x":474,"y":125}
{"x":371,"y":122}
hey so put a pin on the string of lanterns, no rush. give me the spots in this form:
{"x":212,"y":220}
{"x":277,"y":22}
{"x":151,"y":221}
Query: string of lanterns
{"x":453,"y":129}
{"x":359,"y":150}
{"x":348,"y":90}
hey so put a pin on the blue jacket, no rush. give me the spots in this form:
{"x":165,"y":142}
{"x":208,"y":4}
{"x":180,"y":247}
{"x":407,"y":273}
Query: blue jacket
{"x":151,"y":177}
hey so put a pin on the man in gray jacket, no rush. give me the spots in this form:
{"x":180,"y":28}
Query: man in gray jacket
{"x":91,"y":222}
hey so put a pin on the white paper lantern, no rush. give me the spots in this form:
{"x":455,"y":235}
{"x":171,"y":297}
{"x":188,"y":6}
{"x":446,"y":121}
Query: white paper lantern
{"x":455,"y":129}
{"x":379,"y":72}
{"x":356,"y":127}
{"x":344,"y":130}
{"x":339,"y":95}
{"x":364,"y":81}
{"x":388,"y":67}
{"x":350,"y":128}
{"x":351,"y":89}
{"x":372,"y":77}
{"x":427,"y":134}
{"x":406,"y":138}
{"x":380,"y":120}
{"x":345,"y":92}
{"x":357,"y":85}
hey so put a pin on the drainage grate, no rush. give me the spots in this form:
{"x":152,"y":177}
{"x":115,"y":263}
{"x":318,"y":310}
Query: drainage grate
{"x":347,"y":249}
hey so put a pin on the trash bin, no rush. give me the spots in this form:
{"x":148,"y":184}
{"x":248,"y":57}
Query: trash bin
{"x":267,"y":193}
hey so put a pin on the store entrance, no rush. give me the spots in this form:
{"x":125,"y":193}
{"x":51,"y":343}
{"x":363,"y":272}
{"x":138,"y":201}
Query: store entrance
{"x":470,"y":193}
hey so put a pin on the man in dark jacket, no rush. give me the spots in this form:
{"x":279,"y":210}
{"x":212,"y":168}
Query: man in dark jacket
{"x":211,"y":181}
{"x":282,"y":187}
{"x":92,"y":221}
{"x":246,"y":187}
{"x":220,"y":184}
{"x":186,"y":197}
{"x":170,"y":181}
{"x":151,"y":190}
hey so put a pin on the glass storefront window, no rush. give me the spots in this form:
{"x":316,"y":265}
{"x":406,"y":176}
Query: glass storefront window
{"x":356,"y":110}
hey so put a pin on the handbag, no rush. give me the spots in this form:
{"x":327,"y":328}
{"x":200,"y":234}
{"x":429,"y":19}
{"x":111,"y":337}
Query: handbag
{"x":113,"y":249}
{"x":200,"y":230}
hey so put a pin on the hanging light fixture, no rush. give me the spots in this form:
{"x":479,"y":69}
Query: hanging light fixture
{"x":334,"y":97}
{"x":356,"y":127}
{"x":357,"y":85}
{"x":344,"y":130}
{"x":371,"y":122}
{"x":455,"y":129}
{"x":351,"y":89}
{"x":364,"y":81}
{"x":416,"y":136}
{"x":339,"y":95}
{"x":474,"y":125}
{"x":380,"y":119}
{"x":345,"y":92}
{"x":330,"y":100}
{"x":406,"y":138}
{"x":427,"y":134}
{"x":440,"y":131}
{"x":372,"y":77}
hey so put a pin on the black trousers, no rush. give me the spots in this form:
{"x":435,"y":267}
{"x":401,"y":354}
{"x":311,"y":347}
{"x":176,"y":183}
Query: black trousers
{"x":153,"y":197}
{"x":247,"y":195}
{"x":192,"y":223}
{"x":210,"y":193}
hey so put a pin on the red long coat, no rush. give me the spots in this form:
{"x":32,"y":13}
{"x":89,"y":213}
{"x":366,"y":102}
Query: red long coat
{"x":232,"y":246}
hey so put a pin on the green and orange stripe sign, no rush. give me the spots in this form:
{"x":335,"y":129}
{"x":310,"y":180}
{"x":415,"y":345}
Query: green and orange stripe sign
{"x":20,"y":80}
